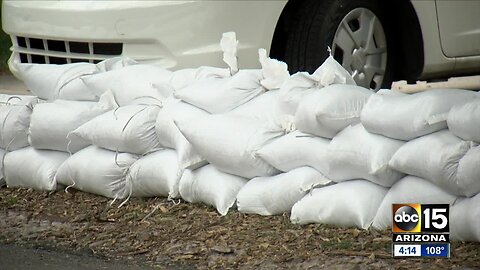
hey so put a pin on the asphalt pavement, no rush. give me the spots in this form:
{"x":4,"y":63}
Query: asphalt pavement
{"x":14,"y":257}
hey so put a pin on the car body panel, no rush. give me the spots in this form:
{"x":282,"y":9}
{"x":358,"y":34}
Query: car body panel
{"x":175,"y":34}
{"x":461,"y":38}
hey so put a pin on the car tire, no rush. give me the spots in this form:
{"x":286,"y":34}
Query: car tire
{"x":319,"y":25}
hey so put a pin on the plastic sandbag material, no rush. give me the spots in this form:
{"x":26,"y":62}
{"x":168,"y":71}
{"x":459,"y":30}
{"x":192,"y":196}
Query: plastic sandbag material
{"x":302,"y":84}
{"x":410,"y":189}
{"x":464,"y":217}
{"x":221,"y":95}
{"x":468,"y":172}
{"x":2,"y":155}
{"x":51,"y":123}
{"x":14,"y":123}
{"x":31,"y":168}
{"x":46,"y":81}
{"x":50,"y":82}
{"x":169,"y":135}
{"x":277,"y":194}
{"x":185,"y":77}
{"x":155,"y":175}
{"x":212,"y":187}
{"x":264,"y":107}
{"x":230,"y":142}
{"x":98,"y":171}
{"x":406,"y":117}
{"x":128,"y":129}
{"x":437,"y":158}
{"x":296,"y":150}
{"x":16,"y":99}
{"x":347,"y":204}
{"x":464,"y":120}
{"x":77,"y":90}
{"x":136,"y":84}
{"x":357,"y":154}
{"x":326,"y":112}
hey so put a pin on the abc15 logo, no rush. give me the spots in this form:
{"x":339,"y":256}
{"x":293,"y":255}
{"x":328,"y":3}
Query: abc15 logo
{"x":417,"y":218}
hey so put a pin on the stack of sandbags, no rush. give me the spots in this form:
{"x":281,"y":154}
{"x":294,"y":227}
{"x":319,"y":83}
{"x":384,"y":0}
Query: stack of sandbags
{"x":320,"y":108}
{"x":22,"y":165}
{"x":325,"y":105}
{"x":117,"y":138}
{"x":50,"y":125}
{"x":410,"y":189}
{"x":441,"y":166}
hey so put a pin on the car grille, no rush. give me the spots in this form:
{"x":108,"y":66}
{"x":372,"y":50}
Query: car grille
{"x":49,"y":51}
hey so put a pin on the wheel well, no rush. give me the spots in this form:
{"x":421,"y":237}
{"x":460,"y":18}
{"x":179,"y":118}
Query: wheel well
{"x":410,"y":55}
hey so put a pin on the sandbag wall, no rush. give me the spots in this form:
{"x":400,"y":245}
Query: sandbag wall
{"x":315,"y":145}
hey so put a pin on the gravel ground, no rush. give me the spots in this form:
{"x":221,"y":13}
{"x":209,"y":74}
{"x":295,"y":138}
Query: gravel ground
{"x":155,"y":232}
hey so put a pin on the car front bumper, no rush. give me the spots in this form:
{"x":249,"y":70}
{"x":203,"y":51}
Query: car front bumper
{"x":174,"y":34}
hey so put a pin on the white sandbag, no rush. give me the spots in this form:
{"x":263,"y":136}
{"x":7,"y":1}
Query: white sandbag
{"x":406,"y":117}
{"x":221,"y":95}
{"x":410,"y":189}
{"x":302,"y":84}
{"x":77,"y":90}
{"x":98,"y":171}
{"x":155,"y":175}
{"x":357,"y":154}
{"x":31,"y":168}
{"x":436,"y":157}
{"x":184,"y":77}
{"x":264,"y":107}
{"x":296,"y":150}
{"x":46,"y":81}
{"x":326,"y":112}
{"x":14,"y":123}
{"x":170,"y":137}
{"x":464,"y":120}
{"x":468,"y":172}
{"x":212,"y":187}
{"x":128,"y":129}
{"x":136,"y":84}
{"x":114,"y":63}
{"x":277,"y":194}
{"x":464,"y":217}
{"x":51,"y":123}
{"x":347,"y":204}
{"x":16,"y":99}
{"x":230,"y":142}
{"x":2,"y":179}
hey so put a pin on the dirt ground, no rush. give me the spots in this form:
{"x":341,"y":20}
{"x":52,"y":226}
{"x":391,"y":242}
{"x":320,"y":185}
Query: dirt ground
{"x":156,"y":232}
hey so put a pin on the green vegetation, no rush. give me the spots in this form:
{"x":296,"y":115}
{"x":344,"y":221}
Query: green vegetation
{"x":5,"y":44}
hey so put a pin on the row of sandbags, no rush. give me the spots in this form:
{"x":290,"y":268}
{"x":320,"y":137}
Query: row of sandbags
{"x":273,"y":142}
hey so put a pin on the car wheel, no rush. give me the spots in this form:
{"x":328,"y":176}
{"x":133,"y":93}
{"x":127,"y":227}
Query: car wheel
{"x":357,"y":31}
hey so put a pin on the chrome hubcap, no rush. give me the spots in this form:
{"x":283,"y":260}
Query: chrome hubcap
{"x":360,"y":45}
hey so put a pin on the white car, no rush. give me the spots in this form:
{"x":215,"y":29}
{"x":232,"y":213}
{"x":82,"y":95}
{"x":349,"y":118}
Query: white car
{"x":377,"y":41}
